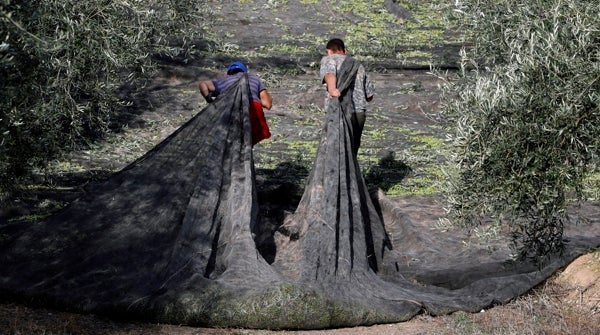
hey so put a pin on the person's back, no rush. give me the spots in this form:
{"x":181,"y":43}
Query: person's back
{"x":259,"y":97}
{"x":256,"y":85}
{"x":362,"y":91}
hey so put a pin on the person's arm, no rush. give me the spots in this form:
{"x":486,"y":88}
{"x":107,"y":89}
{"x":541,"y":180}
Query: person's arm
{"x":266,"y":99}
{"x":331,"y":83}
{"x":207,"y":87}
{"x":369,"y":88}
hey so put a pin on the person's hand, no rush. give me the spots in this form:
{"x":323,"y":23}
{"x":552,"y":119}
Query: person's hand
{"x":334,"y":93}
{"x":210,"y":97}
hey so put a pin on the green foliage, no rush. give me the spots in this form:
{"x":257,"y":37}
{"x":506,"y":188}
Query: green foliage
{"x":526,"y":112}
{"x":62,"y":63}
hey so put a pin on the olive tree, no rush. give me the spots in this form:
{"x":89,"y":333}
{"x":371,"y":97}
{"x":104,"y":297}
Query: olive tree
{"x":526,"y":116}
{"x":63,"y":61}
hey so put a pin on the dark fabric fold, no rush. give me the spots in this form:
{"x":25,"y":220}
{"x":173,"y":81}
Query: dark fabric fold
{"x":173,"y":238}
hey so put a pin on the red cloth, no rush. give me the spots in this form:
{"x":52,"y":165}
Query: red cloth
{"x":260,"y":128}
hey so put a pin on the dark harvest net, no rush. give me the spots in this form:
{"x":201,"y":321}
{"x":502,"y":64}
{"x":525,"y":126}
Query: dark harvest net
{"x":176,"y":237}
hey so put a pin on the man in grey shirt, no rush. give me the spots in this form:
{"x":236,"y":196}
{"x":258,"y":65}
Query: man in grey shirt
{"x":363,"y":90}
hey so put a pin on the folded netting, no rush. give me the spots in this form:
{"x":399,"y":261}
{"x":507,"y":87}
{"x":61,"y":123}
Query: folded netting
{"x":176,"y":237}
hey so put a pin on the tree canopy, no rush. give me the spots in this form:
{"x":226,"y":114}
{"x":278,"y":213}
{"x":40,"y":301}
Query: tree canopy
{"x":63,"y":63}
{"x":526,"y":112}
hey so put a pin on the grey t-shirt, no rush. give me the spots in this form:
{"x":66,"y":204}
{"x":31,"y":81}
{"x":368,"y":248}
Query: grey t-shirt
{"x":363,"y":87}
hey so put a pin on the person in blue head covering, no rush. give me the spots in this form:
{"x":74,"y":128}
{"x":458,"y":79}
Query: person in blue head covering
{"x":259,"y":96}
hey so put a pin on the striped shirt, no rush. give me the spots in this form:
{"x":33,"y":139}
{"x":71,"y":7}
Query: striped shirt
{"x":256,"y":85}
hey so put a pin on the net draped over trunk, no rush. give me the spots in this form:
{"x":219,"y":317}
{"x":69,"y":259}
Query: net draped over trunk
{"x":173,"y":238}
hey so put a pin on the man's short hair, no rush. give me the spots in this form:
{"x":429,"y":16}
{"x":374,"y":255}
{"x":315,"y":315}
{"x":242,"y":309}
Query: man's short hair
{"x":336,"y":44}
